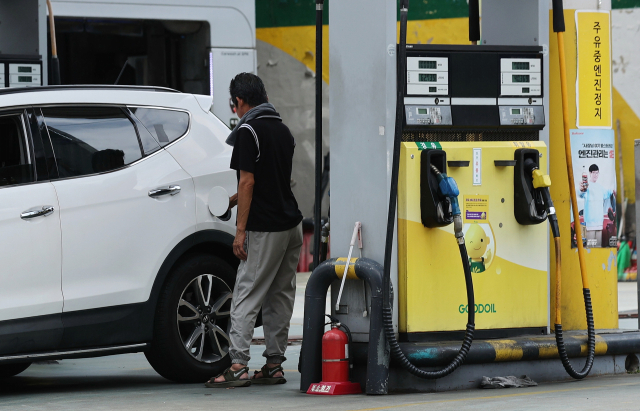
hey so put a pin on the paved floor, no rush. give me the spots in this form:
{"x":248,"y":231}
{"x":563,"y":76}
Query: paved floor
{"x":126,"y":382}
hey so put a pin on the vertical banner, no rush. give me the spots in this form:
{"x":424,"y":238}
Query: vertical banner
{"x":593,"y":81}
{"x":594,"y":173}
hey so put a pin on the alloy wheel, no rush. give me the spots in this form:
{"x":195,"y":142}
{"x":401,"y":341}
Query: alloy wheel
{"x":204,"y":318}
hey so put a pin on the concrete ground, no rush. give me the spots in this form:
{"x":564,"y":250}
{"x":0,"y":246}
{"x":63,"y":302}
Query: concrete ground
{"x":125,"y":382}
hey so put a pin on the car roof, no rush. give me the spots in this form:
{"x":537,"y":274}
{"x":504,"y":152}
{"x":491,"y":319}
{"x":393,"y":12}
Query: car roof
{"x":84,"y":87}
{"x":96,"y":94}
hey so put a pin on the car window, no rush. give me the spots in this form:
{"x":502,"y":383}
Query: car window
{"x":164,"y":125}
{"x":88,"y":140}
{"x":149,"y":144}
{"x":15,"y":157}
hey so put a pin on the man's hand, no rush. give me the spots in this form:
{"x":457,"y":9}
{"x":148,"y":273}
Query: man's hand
{"x":238,"y":245}
{"x":244,"y":196}
{"x":233,"y":201}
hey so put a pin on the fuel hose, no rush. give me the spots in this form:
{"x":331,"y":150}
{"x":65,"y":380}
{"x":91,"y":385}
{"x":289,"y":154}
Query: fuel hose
{"x":387,"y":310}
{"x":531,"y":167}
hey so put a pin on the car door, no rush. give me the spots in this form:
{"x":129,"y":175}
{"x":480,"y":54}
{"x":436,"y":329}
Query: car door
{"x":30,"y":242}
{"x":123,"y":205}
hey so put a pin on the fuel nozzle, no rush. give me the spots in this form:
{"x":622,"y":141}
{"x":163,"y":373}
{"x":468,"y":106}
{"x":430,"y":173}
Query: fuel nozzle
{"x":541,"y":182}
{"x":449,"y":188}
{"x":540,"y":179}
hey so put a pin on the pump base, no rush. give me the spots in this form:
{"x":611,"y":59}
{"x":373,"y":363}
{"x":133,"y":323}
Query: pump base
{"x":533,"y":355}
{"x":334,"y":388}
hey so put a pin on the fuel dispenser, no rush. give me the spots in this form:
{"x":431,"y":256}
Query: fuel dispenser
{"x":475,"y":112}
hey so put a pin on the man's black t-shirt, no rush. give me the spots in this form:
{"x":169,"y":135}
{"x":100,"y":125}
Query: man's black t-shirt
{"x":264,"y":147}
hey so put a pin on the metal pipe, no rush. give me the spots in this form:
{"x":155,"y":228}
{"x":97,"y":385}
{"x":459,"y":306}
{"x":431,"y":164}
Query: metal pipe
{"x":314,"y":307}
{"x":474,"y":21}
{"x":318,"y":202}
{"x":55,"y":63}
{"x":324,"y":241}
{"x":52,"y":31}
{"x":623,"y":198}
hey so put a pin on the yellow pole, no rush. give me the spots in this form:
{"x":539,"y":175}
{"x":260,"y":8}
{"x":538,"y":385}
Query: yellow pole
{"x":567,"y":149}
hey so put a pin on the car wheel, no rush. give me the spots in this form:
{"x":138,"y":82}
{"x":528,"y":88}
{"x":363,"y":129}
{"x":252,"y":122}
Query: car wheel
{"x":192,"y":322}
{"x":9,"y":370}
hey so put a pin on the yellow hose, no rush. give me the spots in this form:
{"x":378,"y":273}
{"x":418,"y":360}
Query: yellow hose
{"x":567,"y":149}
{"x":558,"y":27}
{"x":558,"y":282}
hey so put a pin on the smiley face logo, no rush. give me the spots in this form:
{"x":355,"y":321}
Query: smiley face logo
{"x":479,"y":247}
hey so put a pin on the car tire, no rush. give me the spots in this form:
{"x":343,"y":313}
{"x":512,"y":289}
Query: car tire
{"x":192,"y":321}
{"x":10,"y":370}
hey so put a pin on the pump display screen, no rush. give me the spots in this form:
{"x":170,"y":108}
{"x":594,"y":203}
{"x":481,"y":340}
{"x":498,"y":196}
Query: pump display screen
{"x":23,"y":69}
{"x":520,"y":78}
{"x":525,"y":89}
{"x":427,"y":64}
{"x":24,"y":79}
{"x":520,"y":65}
{"x":422,"y":111}
{"x":428,"y":77}
{"x":433,"y":89}
{"x":515,"y":111}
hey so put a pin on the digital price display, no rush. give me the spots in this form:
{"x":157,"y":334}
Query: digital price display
{"x":515,"y":111}
{"x":24,"y":79}
{"x":520,"y":78}
{"x":427,"y":64}
{"x":429,"y":77}
{"x":433,"y":89}
{"x":422,"y":111}
{"x":520,"y":65}
{"x":24,"y":69}
{"x":525,"y":89}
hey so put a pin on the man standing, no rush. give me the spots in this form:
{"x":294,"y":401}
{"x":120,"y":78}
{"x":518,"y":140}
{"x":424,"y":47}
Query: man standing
{"x":594,"y":196}
{"x":268,"y":234}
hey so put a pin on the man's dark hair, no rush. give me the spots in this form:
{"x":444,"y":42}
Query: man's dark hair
{"x":248,"y":87}
{"x":593,"y":168}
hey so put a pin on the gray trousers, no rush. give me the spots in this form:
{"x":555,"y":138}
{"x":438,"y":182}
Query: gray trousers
{"x":267,"y":280}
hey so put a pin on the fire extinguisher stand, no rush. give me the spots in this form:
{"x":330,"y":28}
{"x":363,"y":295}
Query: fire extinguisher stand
{"x":375,"y":382}
{"x":335,"y":364}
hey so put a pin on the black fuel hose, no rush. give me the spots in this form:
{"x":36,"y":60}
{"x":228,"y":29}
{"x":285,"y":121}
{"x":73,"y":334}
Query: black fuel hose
{"x":530,"y":166}
{"x":591,"y":334}
{"x":387,"y":310}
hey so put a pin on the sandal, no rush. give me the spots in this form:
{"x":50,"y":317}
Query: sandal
{"x":231,"y":379}
{"x":268,"y":375}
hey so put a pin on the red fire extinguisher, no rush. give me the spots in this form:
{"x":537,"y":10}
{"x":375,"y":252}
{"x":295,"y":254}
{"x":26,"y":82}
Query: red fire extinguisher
{"x":335,"y":364}
{"x":335,"y":355}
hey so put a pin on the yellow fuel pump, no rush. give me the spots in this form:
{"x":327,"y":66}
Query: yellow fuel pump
{"x":476,"y":111}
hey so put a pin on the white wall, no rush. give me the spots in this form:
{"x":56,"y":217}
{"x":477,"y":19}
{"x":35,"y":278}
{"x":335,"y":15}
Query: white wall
{"x":233,"y":22}
{"x":625,"y":55}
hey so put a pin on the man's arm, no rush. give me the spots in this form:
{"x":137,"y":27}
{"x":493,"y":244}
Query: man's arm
{"x":233,"y":201}
{"x":245,"y":195}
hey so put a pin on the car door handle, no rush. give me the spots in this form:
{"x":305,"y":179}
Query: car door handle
{"x":33,"y":213}
{"x":163,"y":191}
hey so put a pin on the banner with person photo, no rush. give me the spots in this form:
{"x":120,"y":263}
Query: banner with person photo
{"x":594,"y":173}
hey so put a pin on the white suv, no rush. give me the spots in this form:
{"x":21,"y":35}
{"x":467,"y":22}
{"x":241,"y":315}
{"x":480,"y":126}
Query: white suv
{"x":107,"y":241}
